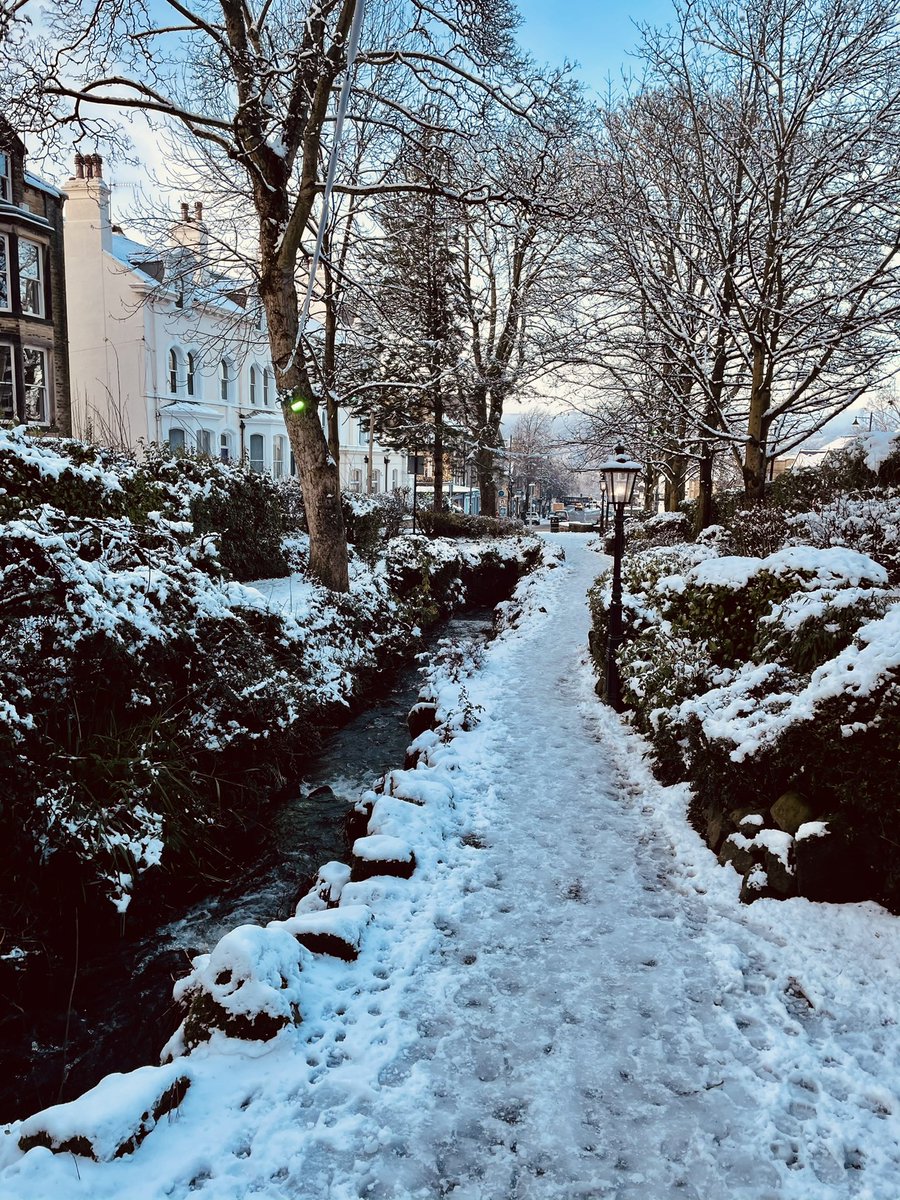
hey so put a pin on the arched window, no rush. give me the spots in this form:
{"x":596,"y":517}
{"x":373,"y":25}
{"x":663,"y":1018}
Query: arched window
{"x":173,"y":372}
{"x":225,"y":450}
{"x":254,"y":399}
{"x":257,"y":452}
{"x":191,"y":377}
{"x":376,"y":482}
{"x":356,"y":479}
{"x":265,"y":385}
{"x":204,"y":442}
{"x":225,"y":379}
{"x":176,"y":440}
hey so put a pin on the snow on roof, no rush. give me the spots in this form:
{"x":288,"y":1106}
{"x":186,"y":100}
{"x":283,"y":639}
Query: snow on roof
{"x":42,"y":185}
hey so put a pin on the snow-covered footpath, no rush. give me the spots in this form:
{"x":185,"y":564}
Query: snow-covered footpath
{"x":565,"y":1000}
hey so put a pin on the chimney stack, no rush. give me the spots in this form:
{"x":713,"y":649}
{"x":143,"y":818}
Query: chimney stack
{"x":185,"y":214}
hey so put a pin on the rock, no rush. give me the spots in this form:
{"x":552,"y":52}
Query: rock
{"x":831,"y":863}
{"x":336,"y":931}
{"x":421,"y":716}
{"x":247,"y":987}
{"x":326,"y":888}
{"x":755,"y":885}
{"x":719,"y":826}
{"x":321,"y":793}
{"x":740,"y":851}
{"x":379,"y":854}
{"x":748,"y":820}
{"x":792,"y":810}
{"x":110,"y":1120}
{"x":778,"y":862}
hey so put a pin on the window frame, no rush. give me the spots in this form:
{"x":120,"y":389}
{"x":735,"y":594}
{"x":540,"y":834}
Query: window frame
{"x":190,"y":377}
{"x":44,"y":352}
{"x":6,"y":273}
{"x":39,"y":282}
{"x":172,"y":372}
{"x":6,"y":176}
{"x":261,"y":459}
{"x":203,"y":442}
{"x":13,"y":413}
{"x":278,"y":457}
{"x":265,"y":388}
{"x":182,"y":449}
{"x":253,"y":385}
{"x":226,"y":379}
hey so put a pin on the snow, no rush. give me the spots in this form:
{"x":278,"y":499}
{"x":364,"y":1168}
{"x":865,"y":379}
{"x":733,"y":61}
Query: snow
{"x":565,"y":1000}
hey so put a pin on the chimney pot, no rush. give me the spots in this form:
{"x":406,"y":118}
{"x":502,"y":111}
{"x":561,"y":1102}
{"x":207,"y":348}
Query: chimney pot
{"x":98,"y":166}
{"x":185,"y":214}
{"x":79,"y":166}
{"x":198,"y":211}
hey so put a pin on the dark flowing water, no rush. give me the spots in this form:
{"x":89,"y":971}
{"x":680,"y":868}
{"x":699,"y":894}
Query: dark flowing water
{"x":69,"y":1024}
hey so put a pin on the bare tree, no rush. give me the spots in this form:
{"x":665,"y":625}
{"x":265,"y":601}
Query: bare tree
{"x":751,"y":215}
{"x":253,"y":91}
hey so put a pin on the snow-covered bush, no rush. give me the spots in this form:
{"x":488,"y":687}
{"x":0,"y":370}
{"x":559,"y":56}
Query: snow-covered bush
{"x":868,"y":522}
{"x":662,"y":529}
{"x":755,"y":676}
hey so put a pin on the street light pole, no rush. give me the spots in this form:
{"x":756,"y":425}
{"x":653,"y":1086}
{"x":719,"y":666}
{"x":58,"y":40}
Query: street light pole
{"x":620,"y":475}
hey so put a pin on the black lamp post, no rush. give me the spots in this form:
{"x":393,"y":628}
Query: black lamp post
{"x":620,"y":475}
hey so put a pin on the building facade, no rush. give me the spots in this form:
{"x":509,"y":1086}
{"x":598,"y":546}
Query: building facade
{"x":34,"y":369}
{"x":164,"y":350}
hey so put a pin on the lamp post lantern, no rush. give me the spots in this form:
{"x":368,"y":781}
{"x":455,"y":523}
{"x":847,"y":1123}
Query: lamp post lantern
{"x":619,"y":474}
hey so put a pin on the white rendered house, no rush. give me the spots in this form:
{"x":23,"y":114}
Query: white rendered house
{"x":162,"y":350}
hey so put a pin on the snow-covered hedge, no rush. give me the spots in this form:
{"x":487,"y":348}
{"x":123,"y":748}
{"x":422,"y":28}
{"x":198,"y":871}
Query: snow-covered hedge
{"x":754,"y":676}
{"x":150,"y":701}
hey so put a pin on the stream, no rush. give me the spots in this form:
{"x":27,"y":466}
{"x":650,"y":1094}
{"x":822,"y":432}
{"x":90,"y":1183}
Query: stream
{"x":74,"y":1022}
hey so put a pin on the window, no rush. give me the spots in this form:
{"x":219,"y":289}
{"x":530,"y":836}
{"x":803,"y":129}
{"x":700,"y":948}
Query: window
{"x":31,"y":277}
{"x":5,"y":177}
{"x":176,"y":440}
{"x":265,"y":387}
{"x":225,"y":379}
{"x":356,"y":479}
{"x":225,"y":447}
{"x":191,"y":374}
{"x":376,"y":482}
{"x":173,"y":372}
{"x":363,"y":435}
{"x":4,"y":272}
{"x":36,"y":379}
{"x":204,"y":442}
{"x":395,"y":479}
{"x":278,"y":457}
{"x":7,"y":383}
{"x":257,"y":452}
{"x":253,"y":395}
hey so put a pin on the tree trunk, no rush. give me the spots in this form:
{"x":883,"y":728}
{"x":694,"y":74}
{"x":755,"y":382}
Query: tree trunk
{"x":754,"y":466}
{"x":703,"y":516}
{"x":487,"y":482}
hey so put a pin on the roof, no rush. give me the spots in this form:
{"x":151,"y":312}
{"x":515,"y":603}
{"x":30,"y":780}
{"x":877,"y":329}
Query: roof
{"x":42,"y":185}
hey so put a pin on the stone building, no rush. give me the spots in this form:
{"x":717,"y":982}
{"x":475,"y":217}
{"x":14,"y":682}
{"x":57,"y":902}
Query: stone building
{"x":34,"y":369}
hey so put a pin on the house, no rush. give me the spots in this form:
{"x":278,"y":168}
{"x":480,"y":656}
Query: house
{"x":34,"y":369}
{"x":164,"y":349}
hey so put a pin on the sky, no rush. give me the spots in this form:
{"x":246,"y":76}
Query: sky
{"x":600,"y":37}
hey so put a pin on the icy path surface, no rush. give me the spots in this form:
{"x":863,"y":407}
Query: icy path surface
{"x":567,"y":1001}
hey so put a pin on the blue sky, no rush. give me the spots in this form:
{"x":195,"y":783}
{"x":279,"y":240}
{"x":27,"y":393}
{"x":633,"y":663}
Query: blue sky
{"x":596,"y":34}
